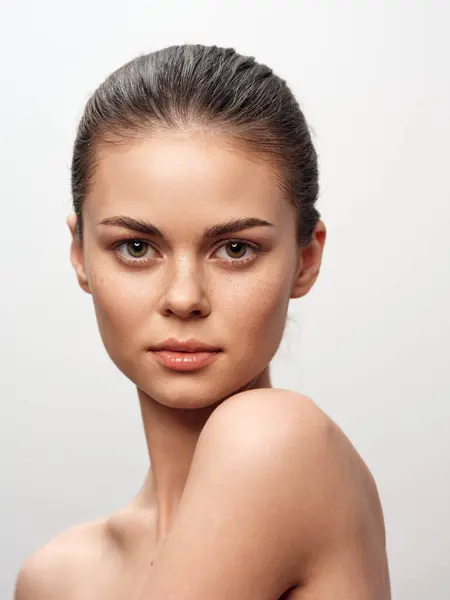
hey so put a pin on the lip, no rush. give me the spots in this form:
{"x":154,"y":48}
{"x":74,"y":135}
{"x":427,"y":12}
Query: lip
{"x":190,"y":345}
{"x":184,"y":361}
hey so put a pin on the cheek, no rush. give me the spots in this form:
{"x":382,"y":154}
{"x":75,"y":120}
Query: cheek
{"x":121,"y":307}
{"x":257,"y":309}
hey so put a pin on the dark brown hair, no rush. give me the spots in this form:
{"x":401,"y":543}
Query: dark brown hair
{"x":212,"y":89}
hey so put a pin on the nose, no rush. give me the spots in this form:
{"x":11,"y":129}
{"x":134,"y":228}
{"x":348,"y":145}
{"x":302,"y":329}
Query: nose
{"x":185,"y":295}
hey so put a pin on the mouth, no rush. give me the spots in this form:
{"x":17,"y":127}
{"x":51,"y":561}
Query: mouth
{"x":188,"y":346}
{"x":185,"y":361}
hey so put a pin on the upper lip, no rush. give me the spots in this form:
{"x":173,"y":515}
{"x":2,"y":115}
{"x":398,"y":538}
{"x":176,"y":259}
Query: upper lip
{"x":190,"y":345}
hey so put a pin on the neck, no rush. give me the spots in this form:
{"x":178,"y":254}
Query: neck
{"x":172,"y":435}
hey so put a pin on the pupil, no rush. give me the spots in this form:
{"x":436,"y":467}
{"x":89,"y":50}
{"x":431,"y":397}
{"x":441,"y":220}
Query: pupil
{"x":234,"y":244}
{"x":135,"y":246}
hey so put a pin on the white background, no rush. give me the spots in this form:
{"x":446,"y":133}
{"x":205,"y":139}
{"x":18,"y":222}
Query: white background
{"x":370,"y":344}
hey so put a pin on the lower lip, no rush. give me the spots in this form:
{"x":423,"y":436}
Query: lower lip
{"x":184,"y":361}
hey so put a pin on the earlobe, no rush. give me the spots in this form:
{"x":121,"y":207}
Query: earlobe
{"x":304,"y":282}
{"x":76,"y":255}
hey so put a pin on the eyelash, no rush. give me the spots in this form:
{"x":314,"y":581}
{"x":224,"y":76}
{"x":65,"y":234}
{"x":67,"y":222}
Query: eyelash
{"x":231,"y":262}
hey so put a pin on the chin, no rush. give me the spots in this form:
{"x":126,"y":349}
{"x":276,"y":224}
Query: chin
{"x":186,"y":392}
{"x":187,"y":398}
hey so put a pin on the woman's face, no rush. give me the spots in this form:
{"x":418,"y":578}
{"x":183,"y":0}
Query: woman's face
{"x":147,"y":288}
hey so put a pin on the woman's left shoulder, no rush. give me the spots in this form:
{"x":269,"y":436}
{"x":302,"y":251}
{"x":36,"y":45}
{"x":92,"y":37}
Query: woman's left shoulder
{"x":271,"y":462}
{"x":293,"y":431}
{"x":261,"y":414}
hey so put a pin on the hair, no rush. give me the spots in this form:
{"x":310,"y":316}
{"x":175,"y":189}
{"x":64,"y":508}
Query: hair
{"x":210,"y":89}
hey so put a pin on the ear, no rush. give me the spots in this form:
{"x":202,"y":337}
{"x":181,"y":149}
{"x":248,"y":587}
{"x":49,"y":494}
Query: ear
{"x":77,"y":255}
{"x":309,"y":262}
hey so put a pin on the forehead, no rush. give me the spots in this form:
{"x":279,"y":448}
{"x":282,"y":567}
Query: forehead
{"x":190,"y":174}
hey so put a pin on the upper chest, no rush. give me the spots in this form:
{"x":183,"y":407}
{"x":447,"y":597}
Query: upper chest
{"x":118,"y":563}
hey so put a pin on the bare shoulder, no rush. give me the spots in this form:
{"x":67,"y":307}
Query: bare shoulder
{"x":266,"y":410}
{"x":295,"y":423}
{"x":55,"y":568}
{"x":294,"y":445}
{"x":266,"y":415}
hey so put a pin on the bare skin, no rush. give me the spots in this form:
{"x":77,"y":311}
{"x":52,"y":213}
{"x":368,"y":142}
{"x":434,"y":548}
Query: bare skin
{"x":218,"y":516}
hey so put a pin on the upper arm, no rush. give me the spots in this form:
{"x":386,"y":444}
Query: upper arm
{"x":269,"y":498}
{"x":347,"y":553}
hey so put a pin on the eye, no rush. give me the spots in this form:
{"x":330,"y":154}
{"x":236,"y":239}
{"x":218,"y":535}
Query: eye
{"x":236,"y":247}
{"x":135,"y":250}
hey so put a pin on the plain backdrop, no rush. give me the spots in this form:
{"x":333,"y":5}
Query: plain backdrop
{"x":370,"y":344}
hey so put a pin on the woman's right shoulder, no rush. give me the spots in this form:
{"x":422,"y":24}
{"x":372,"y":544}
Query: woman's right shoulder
{"x":54,"y":570}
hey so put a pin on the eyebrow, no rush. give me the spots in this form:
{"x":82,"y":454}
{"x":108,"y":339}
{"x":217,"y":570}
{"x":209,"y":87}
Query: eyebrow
{"x":148,"y":228}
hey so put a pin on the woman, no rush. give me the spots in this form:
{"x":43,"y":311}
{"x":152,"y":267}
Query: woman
{"x":194,"y":185}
